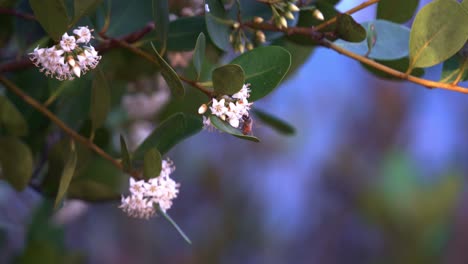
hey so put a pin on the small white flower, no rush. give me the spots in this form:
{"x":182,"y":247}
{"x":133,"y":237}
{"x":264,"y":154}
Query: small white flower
{"x":83,"y":33}
{"x":137,"y":187}
{"x":207,"y":8}
{"x":234,"y":122}
{"x":218,"y":108}
{"x":207,"y":124}
{"x":68,"y":43}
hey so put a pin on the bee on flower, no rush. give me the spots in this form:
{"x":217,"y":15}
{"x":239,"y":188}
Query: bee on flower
{"x":68,"y":59}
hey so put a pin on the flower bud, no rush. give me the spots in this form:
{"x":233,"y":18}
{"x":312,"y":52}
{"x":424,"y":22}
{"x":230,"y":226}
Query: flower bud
{"x":293,"y":8}
{"x":77,"y":71}
{"x":258,"y":20}
{"x":71,"y":61}
{"x":318,"y":15}
{"x":202,"y":109}
{"x":236,"y":25}
{"x":283,"y":22}
{"x":241,"y":48}
{"x":260,"y":36}
{"x":289,"y":15}
{"x":249,"y":46}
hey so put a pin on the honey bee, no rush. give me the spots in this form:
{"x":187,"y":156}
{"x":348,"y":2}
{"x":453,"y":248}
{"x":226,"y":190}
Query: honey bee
{"x":247,"y":125}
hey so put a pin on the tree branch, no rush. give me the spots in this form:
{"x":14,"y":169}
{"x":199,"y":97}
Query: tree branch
{"x":349,"y":12}
{"x":7,"y":11}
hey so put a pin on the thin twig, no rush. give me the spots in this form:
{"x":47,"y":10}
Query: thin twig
{"x":349,"y":12}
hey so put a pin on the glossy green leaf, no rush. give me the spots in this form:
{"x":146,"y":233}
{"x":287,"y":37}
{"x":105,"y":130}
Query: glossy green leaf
{"x":100,"y":100}
{"x":264,"y":69}
{"x":349,"y":30}
{"x":199,"y":54}
{"x":67,"y":175}
{"x":83,"y":8}
{"x":52,"y":15}
{"x":455,"y":68}
{"x":218,"y":24}
{"x":299,"y":54}
{"x":152,"y":164}
{"x":399,"y":65}
{"x":169,"y":75}
{"x":11,"y":118}
{"x":161,"y":20}
{"x":175,"y":225}
{"x":398,"y":11}
{"x":437,"y":33}
{"x":464,"y":4}
{"x":16,"y":162}
{"x":183,"y":33}
{"x":128,"y":16}
{"x":170,"y":132}
{"x":391,"y":41}
{"x":225,"y":127}
{"x":228,"y":79}
{"x":126,"y":158}
{"x":277,"y":124}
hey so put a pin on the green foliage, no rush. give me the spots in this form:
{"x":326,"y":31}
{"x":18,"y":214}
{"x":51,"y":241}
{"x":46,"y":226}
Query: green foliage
{"x":183,"y":33}
{"x":277,"y":124}
{"x":67,"y":175}
{"x":199,"y":54}
{"x":52,"y":15}
{"x":100,"y":100}
{"x":391,"y":41}
{"x":264,"y":69}
{"x":83,"y":8}
{"x":455,"y":68}
{"x":398,"y":64}
{"x":169,"y":75}
{"x":349,"y":30}
{"x":161,"y":20}
{"x":218,"y":24}
{"x":224,"y":127}
{"x":126,"y":157}
{"x":435,"y":34}
{"x":170,"y":132}
{"x":16,"y":162}
{"x":152,"y":164}
{"x":11,"y":118}
{"x":228,"y":79}
{"x":398,"y":11}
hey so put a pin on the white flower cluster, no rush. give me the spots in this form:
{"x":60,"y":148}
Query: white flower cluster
{"x":232,"y":108}
{"x":146,"y":194}
{"x":67,"y":59}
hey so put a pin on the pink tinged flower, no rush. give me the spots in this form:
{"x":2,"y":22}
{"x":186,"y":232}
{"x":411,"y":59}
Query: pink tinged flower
{"x":234,"y":122}
{"x":218,"y":108}
{"x":137,"y":187}
{"x":83,"y":34}
{"x":67,"y":43}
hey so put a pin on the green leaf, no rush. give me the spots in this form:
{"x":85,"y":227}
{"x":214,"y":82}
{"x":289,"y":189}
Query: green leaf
{"x":398,"y":11}
{"x":349,"y":30}
{"x":225,"y":127}
{"x":67,"y":175}
{"x":277,"y":124}
{"x":183,"y":33}
{"x":11,"y":118}
{"x":199,"y":54}
{"x":438,"y":32}
{"x":161,"y":20}
{"x":264,"y":69}
{"x":228,"y":79}
{"x":128,"y":16}
{"x":126,"y":159}
{"x":170,"y":132}
{"x":100,"y":100}
{"x":174,"y":224}
{"x":391,"y":41}
{"x":218,"y":24}
{"x":169,"y":75}
{"x":16,"y":162}
{"x":455,"y":67}
{"x":52,"y":15}
{"x":371,"y":38}
{"x":399,"y":65}
{"x":83,"y":8}
{"x":152,"y":164}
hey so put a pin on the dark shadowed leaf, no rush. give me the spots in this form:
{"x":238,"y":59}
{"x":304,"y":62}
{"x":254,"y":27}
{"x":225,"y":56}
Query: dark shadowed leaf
{"x":218,"y":24}
{"x":67,"y":175}
{"x":169,"y":75}
{"x":391,"y":41}
{"x":437,"y":33}
{"x":152,"y":164}
{"x":399,"y":65}
{"x":264,"y":69}
{"x":126,"y":159}
{"x":277,"y":124}
{"x":228,"y":79}
{"x":16,"y":162}
{"x":455,"y":67}
{"x":349,"y":30}
{"x":170,"y":132}
{"x":199,"y":54}
{"x":100,"y":100}
{"x":52,"y":15}
{"x":11,"y":118}
{"x":183,"y":33}
{"x":398,"y":11}
{"x":83,"y":8}
{"x":225,"y":127}
{"x":161,"y":20}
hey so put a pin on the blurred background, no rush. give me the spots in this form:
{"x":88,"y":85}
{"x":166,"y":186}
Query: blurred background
{"x":375,"y":174}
